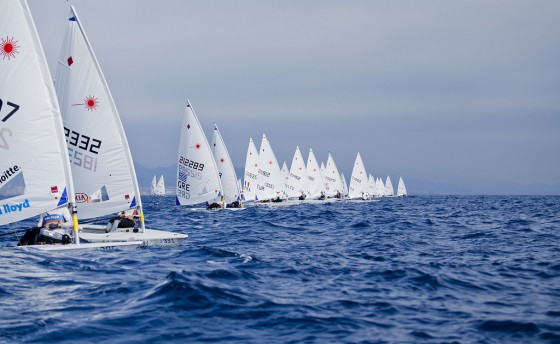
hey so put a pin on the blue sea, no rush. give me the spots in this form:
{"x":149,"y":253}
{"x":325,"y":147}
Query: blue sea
{"x":422,"y":269}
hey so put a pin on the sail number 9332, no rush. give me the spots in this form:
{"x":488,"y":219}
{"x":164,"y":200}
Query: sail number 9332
{"x":86,"y":145}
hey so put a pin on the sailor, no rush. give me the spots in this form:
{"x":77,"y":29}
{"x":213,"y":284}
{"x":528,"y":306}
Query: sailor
{"x":121,"y":221}
{"x":214,"y":205}
{"x":302,"y":196}
{"x":54,"y":227}
{"x":234,"y":204}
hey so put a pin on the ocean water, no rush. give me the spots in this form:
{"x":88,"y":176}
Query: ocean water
{"x":426,"y":269}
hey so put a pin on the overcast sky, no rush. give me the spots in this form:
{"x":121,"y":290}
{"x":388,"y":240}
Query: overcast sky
{"x":439,"y":90}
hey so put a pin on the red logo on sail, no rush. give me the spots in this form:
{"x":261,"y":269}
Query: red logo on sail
{"x":8,"y":48}
{"x":91,"y":103}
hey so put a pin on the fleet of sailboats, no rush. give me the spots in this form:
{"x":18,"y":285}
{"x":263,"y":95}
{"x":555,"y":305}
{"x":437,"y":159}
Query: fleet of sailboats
{"x":86,"y":165}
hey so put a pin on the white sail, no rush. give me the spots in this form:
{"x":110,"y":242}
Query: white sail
{"x":316,"y":185}
{"x":225,"y":167}
{"x":198,"y":180}
{"x":160,"y":186}
{"x":389,"y":191}
{"x":371,"y":186}
{"x":251,"y":172}
{"x":104,"y":176}
{"x":379,"y":188}
{"x":298,"y":178}
{"x":325,"y":185}
{"x":154,"y":186}
{"x":358,"y":180}
{"x":269,"y":175}
{"x":288,"y":187}
{"x":332,"y":178}
{"x":401,"y":189}
{"x":344,"y":185}
{"x":34,"y":169}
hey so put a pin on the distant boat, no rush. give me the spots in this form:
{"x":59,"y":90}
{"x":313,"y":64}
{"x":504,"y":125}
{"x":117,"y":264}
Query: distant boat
{"x":401,"y":189}
{"x":298,"y":177}
{"x":359,"y":180}
{"x":389,"y":191}
{"x":316,"y":184}
{"x":288,"y":187}
{"x":270,"y":185}
{"x":379,"y":187}
{"x":371,"y":186}
{"x":325,"y":185}
{"x":158,"y":189}
{"x":332,"y":179}
{"x":251,"y":172}
{"x":344,"y":185}
{"x":231,"y":191}
{"x":198,"y":180}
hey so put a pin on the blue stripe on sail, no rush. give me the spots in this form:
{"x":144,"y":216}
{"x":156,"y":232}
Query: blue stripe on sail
{"x":133,"y":203}
{"x":182,"y":176}
{"x":72,"y":19}
{"x":177,"y":201}
{"x":63,"y":198}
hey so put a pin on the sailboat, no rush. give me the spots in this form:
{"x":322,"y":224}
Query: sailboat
{"x":371,"y":186}
{"x":251,"y":172}
{"x":158,"y":189}
{"x":358,"y":180}
{"x":231,"y":192}
{"x":379,"y":188}
{"x":35,"y":169}
{"x":389,"y":191}
{"x":344,"y":185}
{"x":161,"y":186}
{"x":325,"y":185}
{"x":103,"y":171}
{"x":332,"y":179}
{"x":288,"y":187}
{"x":316,"y":185}
{"x":198,"y":180}
{"x":270,"y":186}
{"x":298,"y":177}
{"x":153,"y":190}
{"x":401,"y":189}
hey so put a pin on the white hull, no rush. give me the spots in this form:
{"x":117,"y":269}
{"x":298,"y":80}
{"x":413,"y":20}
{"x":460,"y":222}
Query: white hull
{"x":150,"y":237}
{"x":205,"y":209}
{"x":128,"y":245}
{"x":285,"y":203}
{"x":321,"y":201}
{"x":360,"y":200}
